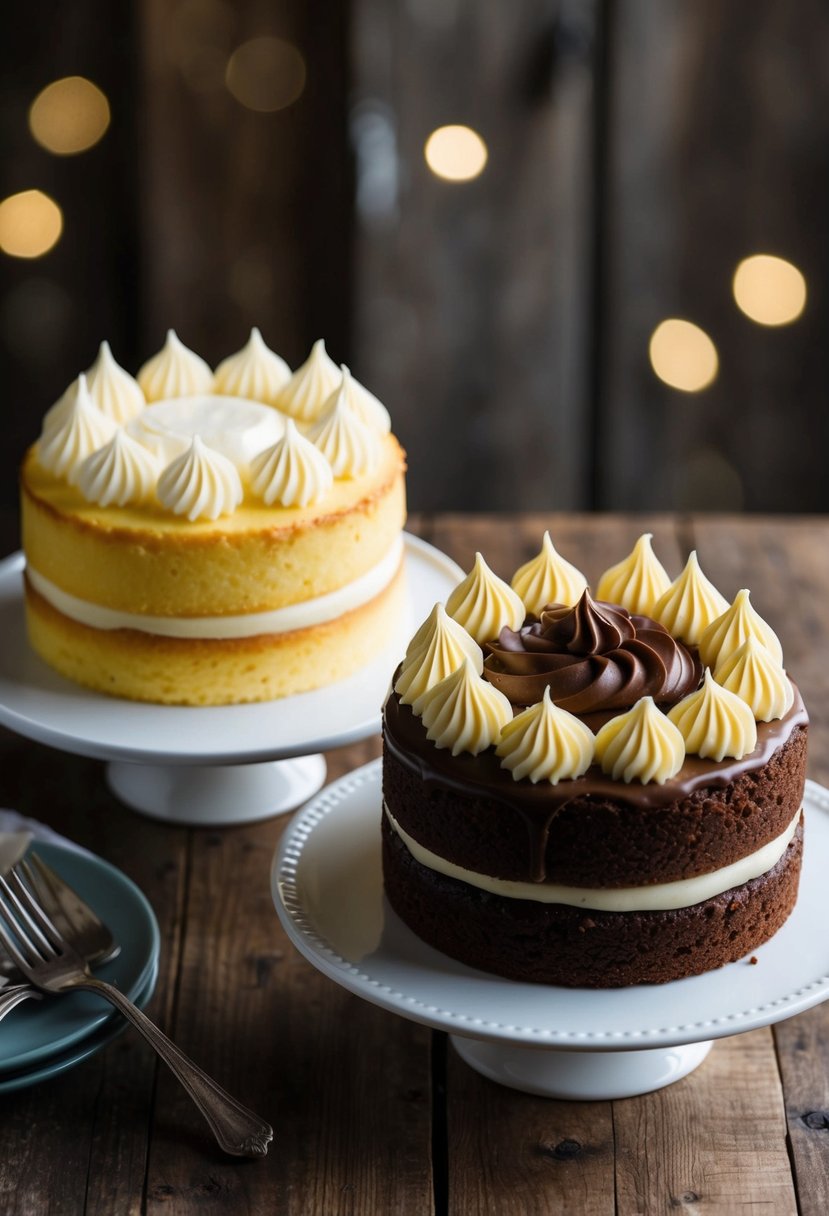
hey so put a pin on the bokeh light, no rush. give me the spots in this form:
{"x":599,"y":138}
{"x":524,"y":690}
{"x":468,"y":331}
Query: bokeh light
{"x":769,"y":290}
{"x":456,"y":153}
{"x":683,"y":355}
{"x":30,"y":224}
{"x":266,"y":74}
{"x":69,"y":116}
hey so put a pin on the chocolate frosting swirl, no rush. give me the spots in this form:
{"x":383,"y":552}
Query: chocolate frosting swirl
{"x":593,"y":657}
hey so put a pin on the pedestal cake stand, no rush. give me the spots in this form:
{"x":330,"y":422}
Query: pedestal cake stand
{"x":557,"y":1042}
{"x":223,"y":765}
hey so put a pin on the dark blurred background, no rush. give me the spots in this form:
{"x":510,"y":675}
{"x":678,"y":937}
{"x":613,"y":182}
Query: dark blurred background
{"x":543,"y":294}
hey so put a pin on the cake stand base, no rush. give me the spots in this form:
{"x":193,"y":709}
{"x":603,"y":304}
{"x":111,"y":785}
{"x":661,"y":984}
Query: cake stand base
{"x":216,"y":795}
{"x":580,"y":1075}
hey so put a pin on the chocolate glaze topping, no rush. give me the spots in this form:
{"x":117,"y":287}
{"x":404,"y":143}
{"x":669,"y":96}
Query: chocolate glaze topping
{"x":539,"y":805}
{"x":593,"y":657}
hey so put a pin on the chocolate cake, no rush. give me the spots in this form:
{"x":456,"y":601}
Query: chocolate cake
{"x":593,"y":794}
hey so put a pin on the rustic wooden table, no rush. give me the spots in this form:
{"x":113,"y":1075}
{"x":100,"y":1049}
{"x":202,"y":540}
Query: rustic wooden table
{"x":372,"y":1113}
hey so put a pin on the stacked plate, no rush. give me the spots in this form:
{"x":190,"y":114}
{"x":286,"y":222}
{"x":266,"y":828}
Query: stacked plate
{"x":41,"y":1039}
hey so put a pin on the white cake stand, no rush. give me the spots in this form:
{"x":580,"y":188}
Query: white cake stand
{"x":206,"y":766}
{"x":557,"y":1042}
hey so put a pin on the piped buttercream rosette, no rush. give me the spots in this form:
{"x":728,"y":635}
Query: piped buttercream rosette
{"x":594,"y":657}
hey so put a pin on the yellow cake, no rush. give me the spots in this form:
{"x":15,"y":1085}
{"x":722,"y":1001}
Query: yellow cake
{"x":204,"y":538}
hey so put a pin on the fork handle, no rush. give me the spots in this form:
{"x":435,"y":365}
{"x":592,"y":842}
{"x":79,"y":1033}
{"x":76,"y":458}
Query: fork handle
{"x":238,"y":1130}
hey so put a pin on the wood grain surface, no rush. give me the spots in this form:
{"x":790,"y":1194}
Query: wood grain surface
{"x":374,"y":1114}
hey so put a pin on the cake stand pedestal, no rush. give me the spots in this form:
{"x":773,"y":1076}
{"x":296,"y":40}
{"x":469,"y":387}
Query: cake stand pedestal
{"x":217,"y":765}
{"x":572,"y":1043}
{"x":581,"y":1075}
{"x":202,"y":794}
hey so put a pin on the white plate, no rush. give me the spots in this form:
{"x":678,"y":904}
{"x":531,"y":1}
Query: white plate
{"x":327,"y":887}
{"x":209,"y":765}
{"x":37,"y":702}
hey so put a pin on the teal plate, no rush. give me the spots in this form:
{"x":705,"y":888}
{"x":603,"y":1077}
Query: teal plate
{"x":55,"y":1065}
{"x":37,"y":1030}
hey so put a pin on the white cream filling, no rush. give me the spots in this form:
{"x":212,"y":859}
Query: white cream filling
{"x":278,"y":620}
{"x":658,"y":898}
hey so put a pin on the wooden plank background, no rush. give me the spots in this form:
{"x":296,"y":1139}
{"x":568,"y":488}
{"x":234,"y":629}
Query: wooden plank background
{"x":637,"y":152}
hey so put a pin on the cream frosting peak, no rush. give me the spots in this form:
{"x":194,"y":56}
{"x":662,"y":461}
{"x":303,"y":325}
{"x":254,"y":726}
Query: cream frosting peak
{"x":175,"y":371}
{"x":200,"y":483}
{"x":292,"y":472}
{"x":728,"y":632}
{"x":637,"y":582}
{"x":690,"y":604}
{"x":365,"y":405}
{"x":306,"y":394}
{"x":463,"y":712}
{"x":120,"y":472}
{"x":758,"y":679}
{"x":546,"y":743}
{"x":57,"y":414}
{"x":350,"y":447}
{"x":548,"y":579}
{"x":76,"y":431}
{"x":640,"y":745}
{"x":715,"y":723}
{"x":437,"y":649}
{"x":113,"y":389}
{"x":483,"y":603}
{"x":255,"y":372}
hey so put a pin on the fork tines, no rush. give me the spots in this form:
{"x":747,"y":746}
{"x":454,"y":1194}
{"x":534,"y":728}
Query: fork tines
{"x":26,"y":932}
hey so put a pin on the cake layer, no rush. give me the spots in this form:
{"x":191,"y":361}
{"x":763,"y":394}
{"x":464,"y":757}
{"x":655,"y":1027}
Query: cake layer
{"x":185,"y":671}
{"x":554,"y":944}
{"x":592,"y":832}
{"x":148,"y":561}
{"x":278,"y":620}
{"x":655,"y":897}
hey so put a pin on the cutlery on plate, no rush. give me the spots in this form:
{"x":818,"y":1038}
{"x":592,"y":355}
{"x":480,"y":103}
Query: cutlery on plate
{"x":72,"y":916}
{"x":12,"y":995}
{"x":78,"y":923}
{"x":52,"y":965}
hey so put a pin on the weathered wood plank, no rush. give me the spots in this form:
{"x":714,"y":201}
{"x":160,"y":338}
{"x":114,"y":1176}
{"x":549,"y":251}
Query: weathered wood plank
{"x":786,"y":565}
{"x":714,"y":1142}
{"x":511,"y":1154}
{"x":717,"y":114}
{"x":246,"y":214}
{"x":346,"y":1086}
{"x":802,"y":1055}
{"x":470,"y":306}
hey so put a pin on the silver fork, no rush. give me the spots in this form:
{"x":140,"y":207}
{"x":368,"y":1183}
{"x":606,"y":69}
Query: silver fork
{"x":78,"y":922}
{"x":14,"y":994}
{"x":51,"y":964}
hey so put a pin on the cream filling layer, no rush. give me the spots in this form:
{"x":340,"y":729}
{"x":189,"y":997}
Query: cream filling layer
{"x":280,"y":620}
{"x":660,"y":897}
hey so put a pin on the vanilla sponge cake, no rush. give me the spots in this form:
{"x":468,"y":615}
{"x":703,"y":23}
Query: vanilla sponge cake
{"x":590,"y":792}
{"x":201,"y":539}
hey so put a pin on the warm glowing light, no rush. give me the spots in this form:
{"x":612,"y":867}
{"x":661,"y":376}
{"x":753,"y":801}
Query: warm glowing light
{"x":683,"y":355}
{"x":456,"y":153}
{"x":69,"y":116}
{"x":769,"y":290}
{"x":265,"y":74}
{"x":30,"y":224}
